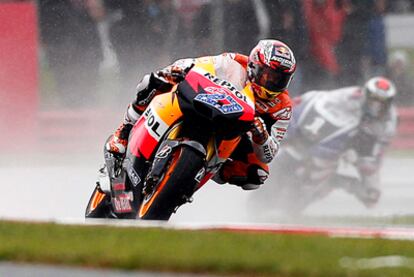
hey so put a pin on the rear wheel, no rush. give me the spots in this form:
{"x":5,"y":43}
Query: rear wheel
{"x":177,"y":184}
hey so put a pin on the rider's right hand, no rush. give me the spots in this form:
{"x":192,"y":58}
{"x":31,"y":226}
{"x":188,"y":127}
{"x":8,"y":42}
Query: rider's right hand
{"x":259,"y":132}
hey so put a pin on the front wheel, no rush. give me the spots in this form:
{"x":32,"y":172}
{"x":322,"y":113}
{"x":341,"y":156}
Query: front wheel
{"x":178,"y":184}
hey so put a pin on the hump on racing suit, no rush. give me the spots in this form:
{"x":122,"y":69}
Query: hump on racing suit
{"x":231,"y":67}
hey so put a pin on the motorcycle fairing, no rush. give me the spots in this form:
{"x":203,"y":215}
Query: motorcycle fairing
{"x":219,"y":94}
{"x":97,"y":198}
{"x":153,"y":124}
{"x":207,"y":65}
{"x":162,"y":121}
{"x":99,"y":205}
{"x":166,"y":109}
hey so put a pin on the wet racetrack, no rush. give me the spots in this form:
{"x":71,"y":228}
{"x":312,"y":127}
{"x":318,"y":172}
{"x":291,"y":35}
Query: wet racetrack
{"x":60,"y":192}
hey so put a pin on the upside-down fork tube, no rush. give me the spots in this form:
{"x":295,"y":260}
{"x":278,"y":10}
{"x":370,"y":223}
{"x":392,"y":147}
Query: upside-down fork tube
{"x":164,"y":163}
{"x":173,"y":178}
{"x":162,"y":113}
{"x":220,"y":153}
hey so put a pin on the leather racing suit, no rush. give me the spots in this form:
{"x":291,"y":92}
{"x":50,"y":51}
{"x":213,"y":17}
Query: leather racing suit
{"x":248,"y":164}
{"x":328,"y":126}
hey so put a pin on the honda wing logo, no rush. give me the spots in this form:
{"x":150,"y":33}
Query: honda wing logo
{"x":164,"y":152}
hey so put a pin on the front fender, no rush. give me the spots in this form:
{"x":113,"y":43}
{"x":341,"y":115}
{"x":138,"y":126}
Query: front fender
{"x":165,"y":151}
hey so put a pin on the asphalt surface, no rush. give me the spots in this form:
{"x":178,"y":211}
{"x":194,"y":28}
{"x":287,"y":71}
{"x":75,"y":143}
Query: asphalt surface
{"x":29,"y":270}
{"x":59,"y":190}
{"x":62,"y":190}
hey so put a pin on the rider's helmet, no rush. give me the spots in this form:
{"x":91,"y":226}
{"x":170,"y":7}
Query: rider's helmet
{"x":271,"y":65}
{"x":379,"y":93}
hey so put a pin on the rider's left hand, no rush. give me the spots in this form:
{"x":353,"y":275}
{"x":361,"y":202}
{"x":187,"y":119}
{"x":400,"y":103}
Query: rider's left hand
{"x":175,"y":73}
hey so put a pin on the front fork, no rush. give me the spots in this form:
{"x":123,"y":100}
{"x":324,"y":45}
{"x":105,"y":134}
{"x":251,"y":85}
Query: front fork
{"x":162,"y":159}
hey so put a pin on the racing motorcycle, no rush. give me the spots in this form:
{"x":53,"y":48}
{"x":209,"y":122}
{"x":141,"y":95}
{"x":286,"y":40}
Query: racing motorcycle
{"x":178,"y":144}
{"x":292,"y":193}
{"x":317,"y":128}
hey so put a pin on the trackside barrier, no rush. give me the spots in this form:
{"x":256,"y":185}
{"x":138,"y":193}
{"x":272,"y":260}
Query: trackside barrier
{"x":74,"y":131}
{"x":405,"y":133}
{"x":18,"y":74}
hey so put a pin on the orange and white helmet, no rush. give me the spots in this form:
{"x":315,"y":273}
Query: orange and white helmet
{"x":271,"y":65}
{"x":379,"y":93}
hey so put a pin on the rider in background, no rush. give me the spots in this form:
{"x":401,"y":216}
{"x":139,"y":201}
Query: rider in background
{"x":354,"y":124}
{"x":268,"y":71}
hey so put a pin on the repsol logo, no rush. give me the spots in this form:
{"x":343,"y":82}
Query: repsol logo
{"x":267,"y":152}
{"x":226,"y":85}
{"x":154,"y":124}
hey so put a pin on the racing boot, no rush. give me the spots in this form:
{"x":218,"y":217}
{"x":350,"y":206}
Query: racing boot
{"x":118,"y":142}
{"x":260,"y":177}
{"x":246,"y":176}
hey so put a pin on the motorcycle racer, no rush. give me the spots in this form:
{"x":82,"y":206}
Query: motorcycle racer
{"x":352,"y":125}
{"x":268,"y":71}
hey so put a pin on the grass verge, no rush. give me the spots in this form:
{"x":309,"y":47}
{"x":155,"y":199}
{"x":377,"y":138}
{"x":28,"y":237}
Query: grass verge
{"x":215,"y":252}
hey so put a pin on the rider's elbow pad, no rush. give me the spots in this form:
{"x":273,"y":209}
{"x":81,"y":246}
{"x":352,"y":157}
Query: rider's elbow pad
{"x":267,"y":151}
{"x":149,"y":86}
{"x":145,"y":91}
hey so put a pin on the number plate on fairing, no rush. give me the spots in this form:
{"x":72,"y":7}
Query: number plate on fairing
{"x":224,"y":103}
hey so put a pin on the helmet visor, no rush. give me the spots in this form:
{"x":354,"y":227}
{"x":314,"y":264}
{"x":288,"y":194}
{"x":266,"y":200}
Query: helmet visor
{"x":272,"y":80}
{"x":377,"y":107}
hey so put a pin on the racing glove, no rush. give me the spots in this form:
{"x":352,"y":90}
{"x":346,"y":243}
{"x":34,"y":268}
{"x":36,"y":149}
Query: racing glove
{"x":264,"y":146}
{"x":259,"y":132}
{"x":177,"y":71}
